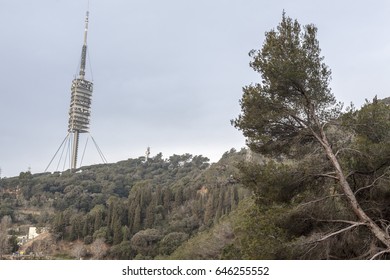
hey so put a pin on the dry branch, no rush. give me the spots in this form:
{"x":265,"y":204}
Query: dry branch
{"x":340,"y":231}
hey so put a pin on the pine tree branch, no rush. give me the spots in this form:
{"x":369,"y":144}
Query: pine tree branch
{"x":356,"y":224}
{"x":327,"y":175}
{"x":371,"y":171}
{"x":319,"y":200}
{"x":372,"y":184}
{"x":340,"y":221}
{"x":347,"y":149}
{"x":380,"y":253}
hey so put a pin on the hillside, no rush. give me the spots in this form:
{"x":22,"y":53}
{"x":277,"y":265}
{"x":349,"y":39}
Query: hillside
{"x":136,"y":208}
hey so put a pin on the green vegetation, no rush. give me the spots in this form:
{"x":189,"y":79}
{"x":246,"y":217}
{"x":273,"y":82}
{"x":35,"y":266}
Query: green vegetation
{"x":137,"y":209}
{"x":314,"y":184}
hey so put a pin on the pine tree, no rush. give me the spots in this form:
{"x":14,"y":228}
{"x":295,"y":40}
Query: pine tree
{"x":98,"y":221}
{"x":209,"y":212}
{"x":137,"y":222}
{"x":117,"y":231}
{"x":150,"y":213}
{"x":287,"y":115}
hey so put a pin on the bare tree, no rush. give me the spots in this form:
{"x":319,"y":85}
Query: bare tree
{"x":5,"y":224}
{"x":79,"y":251}
{"x":98,"y":249}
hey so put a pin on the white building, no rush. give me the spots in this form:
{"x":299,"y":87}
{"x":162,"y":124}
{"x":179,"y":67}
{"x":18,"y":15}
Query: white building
{"x":32,"y":233}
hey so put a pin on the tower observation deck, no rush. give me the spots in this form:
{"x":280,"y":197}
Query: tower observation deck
{"x":80,"y":103}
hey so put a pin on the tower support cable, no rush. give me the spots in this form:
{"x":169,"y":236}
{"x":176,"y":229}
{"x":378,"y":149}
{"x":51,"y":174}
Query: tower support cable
{"x":62,"y":153}
{"x":99,"y":151}
{"x":85,"y":147}
{"x":56,"y":152}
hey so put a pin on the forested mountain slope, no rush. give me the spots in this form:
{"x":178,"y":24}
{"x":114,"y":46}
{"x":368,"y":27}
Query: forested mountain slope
{"x":133,"y":208}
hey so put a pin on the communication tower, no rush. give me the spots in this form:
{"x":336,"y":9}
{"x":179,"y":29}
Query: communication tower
{"x":79,"y":112}
{"x":147,"y":153}
{"x":80,"y":102}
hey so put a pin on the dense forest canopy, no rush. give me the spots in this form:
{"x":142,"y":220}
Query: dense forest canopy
{"x":137,"y":208}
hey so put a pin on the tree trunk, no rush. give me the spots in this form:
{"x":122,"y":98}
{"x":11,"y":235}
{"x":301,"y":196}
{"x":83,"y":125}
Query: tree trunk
{"x":378,"y":232}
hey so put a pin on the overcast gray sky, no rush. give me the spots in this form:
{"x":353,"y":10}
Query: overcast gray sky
{"x":167,"y":74}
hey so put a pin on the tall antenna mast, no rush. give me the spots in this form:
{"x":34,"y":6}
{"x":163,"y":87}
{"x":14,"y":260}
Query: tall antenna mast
{"x":80,"y":104}
{"x":84,"y":49}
